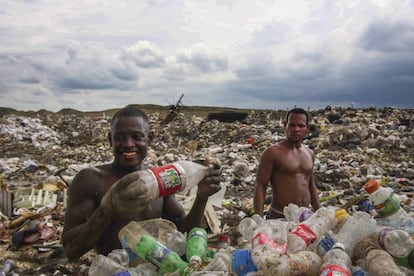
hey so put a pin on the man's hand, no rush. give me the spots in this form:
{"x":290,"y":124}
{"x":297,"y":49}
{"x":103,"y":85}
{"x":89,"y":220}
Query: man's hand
{"x":126,"y":197}
{"x":211,"y":183}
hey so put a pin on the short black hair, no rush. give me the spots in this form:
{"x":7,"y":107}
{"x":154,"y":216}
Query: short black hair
{"x":129,"y":111}
{"x":297,"y":111}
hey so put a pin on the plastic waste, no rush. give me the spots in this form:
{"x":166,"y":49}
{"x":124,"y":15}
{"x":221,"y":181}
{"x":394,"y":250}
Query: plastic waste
{"x":222,"y":261}
{"x":196,"y":249}
{"x":241,"y":262}
{"x":161,"y":229}
{"x":295,"y":213}
{"x":379,"y":262}
{"x":396,"y":242}
{"x":388,"y":207}
{"x":336,"y":262}
{"x":308,"y":231}
{"x":158,"y":254}
{"x":104,"y":266}
{"x":7,"y":267}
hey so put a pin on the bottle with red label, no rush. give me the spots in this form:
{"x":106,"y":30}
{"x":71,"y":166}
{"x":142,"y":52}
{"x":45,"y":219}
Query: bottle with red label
{"x":308,"y":231}
{"x":336,"y":262}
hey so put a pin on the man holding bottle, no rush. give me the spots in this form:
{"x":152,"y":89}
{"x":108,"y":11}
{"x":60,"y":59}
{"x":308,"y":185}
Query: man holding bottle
{"x":103,"y":199}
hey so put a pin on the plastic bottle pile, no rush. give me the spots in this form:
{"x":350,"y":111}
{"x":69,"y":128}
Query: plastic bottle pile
{"x":329,"y":241}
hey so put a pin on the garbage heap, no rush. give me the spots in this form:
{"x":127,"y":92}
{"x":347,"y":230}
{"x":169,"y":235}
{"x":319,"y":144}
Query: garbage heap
{"x":42,"y":152}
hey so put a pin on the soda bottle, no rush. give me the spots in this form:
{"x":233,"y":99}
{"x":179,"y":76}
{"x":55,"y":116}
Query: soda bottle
{"x":172,"y":178}
{"x":295,"y":213}
{"x":158,"y":254}
{"x":161,"y":229}
{"x":104,"y":266}
{"x":311,"y":229}
{"x":196,"y":248}
{"x":388,"y":206}
{"x":397,"y":242}
{"x":336,"y":262}
{"x":222,"y":261}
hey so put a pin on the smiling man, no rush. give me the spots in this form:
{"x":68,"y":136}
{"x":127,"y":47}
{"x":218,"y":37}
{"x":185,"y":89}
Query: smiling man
{"x":103,"y":199}
{"x":288,"y":167}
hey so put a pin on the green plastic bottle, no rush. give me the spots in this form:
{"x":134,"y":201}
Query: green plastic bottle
{"x":158,"y":254}
{"x":196,"y":247}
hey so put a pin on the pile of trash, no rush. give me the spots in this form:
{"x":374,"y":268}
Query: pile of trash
{"x":41,"y":154}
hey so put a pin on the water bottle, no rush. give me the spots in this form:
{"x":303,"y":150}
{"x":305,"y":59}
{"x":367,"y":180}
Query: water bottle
{"x":357,"y":226}
{"x":396,"y":242}
{"x":341,"y":215}
{"x":247,"y":226}
{"x":196,"y":249}
{"x":305,"y":263}
{"x":336,"y":262}
{"x":222,"y":261}
{"x":295,"y":213}
{"x":308,"y":231}
{"x":104,"y":266}
{"x":388,"y":207}
{"x":158,"y":254}
{"x":379,"y":262}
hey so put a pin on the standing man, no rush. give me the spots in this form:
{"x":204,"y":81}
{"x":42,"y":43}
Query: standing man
{"x":288,"y":167}
{"x":103,"y":199}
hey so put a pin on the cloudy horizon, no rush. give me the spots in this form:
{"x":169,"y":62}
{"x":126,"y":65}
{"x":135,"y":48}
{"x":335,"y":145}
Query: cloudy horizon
{"x":97,"y":55}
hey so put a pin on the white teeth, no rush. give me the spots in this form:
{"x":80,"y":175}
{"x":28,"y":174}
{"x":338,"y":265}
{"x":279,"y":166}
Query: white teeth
{"x":129,"y":153}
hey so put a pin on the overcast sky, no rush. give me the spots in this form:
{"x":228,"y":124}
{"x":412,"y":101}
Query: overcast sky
{"x":95,"y":55}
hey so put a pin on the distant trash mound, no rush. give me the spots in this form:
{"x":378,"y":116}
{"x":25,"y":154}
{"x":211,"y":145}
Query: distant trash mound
{"x":228,"y":116}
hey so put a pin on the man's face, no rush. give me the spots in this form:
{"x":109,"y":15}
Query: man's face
{"x":129,"y":139}
{"x":296,"y":127}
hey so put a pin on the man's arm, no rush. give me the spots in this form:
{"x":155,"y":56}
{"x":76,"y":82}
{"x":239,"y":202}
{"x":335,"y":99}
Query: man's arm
{"x":312,"y":187}
{"x":263,"y":175}
{"x":84,"y":223}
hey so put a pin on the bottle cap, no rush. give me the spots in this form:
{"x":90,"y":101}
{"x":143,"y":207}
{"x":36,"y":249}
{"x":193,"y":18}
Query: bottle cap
{"x":339,"y":245}
{"x":371,"y":186}
{"x":341,"y":214}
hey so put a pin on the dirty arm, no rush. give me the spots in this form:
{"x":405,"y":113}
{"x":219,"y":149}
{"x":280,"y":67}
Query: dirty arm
{"x":263,"y":175}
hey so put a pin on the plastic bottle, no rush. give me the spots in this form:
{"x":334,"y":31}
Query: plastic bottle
{"x":248,"y":225}
{"x":172,"y":178}
{"x":295,"y":213}
{"x":396,"y":242}
{"x":336,"y":262}
{"x":222,"y":261}
{"x":158,"y":254}
{"x":7,"y":267}
{"x":196,"y":249}
{"x":379,"y":262}
{"x":161,"y":229}
{"x":388,"y":207}
{"x":341,"y":215}
{"x":311,"y":229}
{"x":241,"y":262}
{"x":305,"y":263}
{"x":269,"y":238}
{"x":104,"y":266}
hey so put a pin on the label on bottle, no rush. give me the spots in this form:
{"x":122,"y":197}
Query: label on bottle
{"x":334,"y":270}
{"x":381,"y":237}
{"x":305,"y":233}
{"x":389,"y":207}
{"x":305,"y":215}
{"x":169,"y":178}
{"x":261,"y":238}
{"x":157,"y":255}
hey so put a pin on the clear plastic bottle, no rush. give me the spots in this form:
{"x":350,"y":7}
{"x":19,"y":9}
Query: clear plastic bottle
{"x":248,"y":225}
{"x":336,"y":262}
{"x":388,"y":206}
{"x":7,"y":267}
{"x":161,"y":229}
{"x":397,"y":242}
{"x":311,"y":229}
{"x":269,"y":238}
{"x":221,"y":261}
{"x":196,"y":249}
{"x":172,"y":178}
{"x":105,"y":266}
{"x":379,"y":262}
{"x":295,"y":213}
{"x":305,"y":263}
{"x":357,"y":226}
